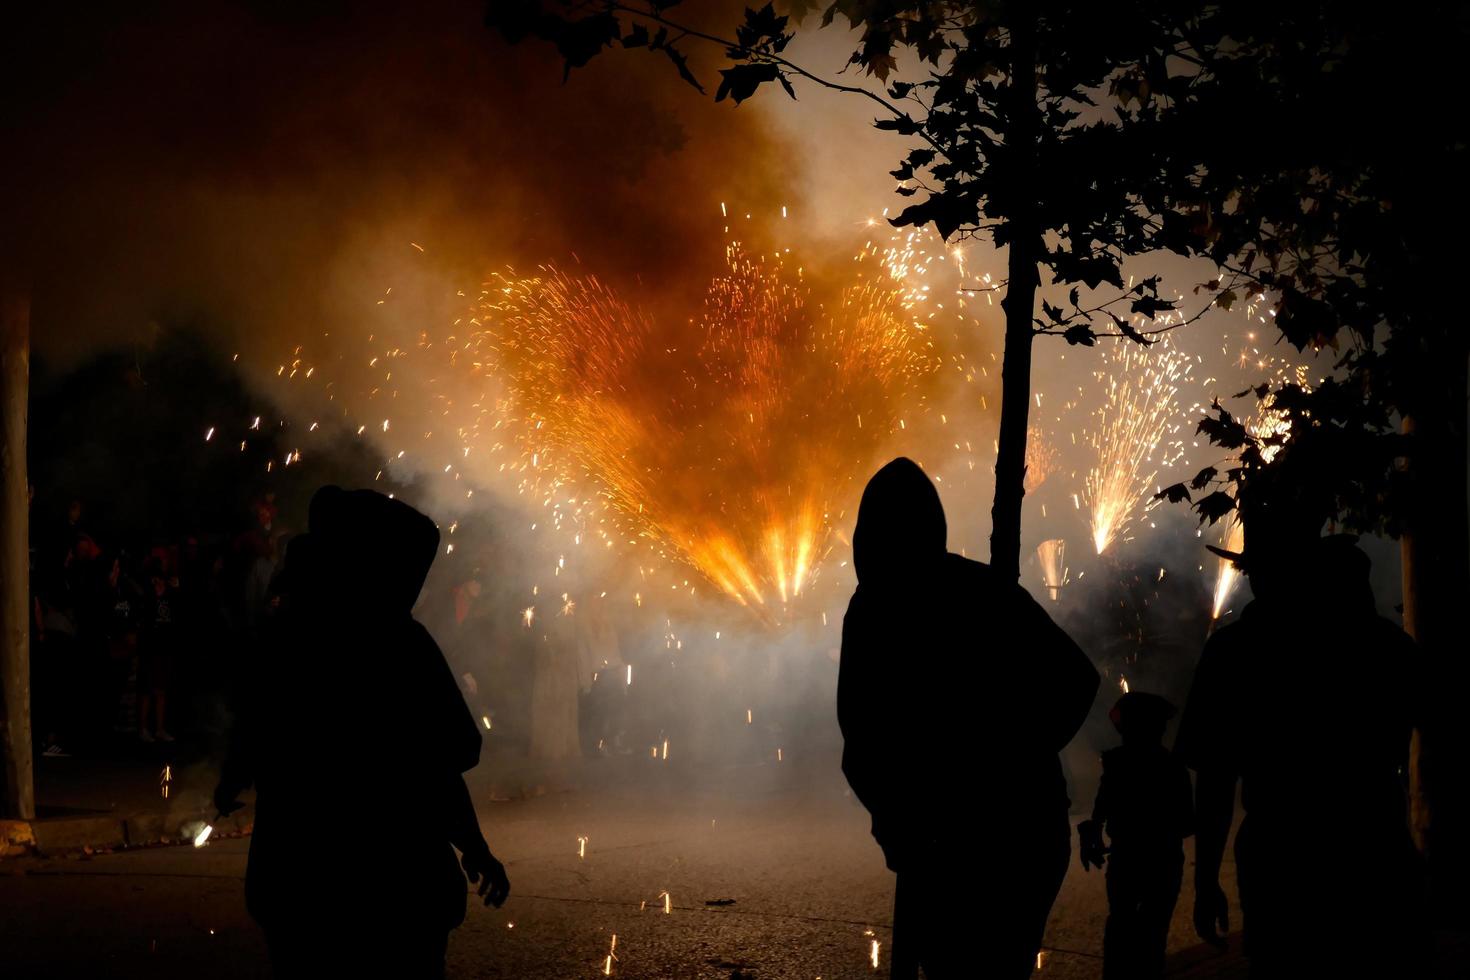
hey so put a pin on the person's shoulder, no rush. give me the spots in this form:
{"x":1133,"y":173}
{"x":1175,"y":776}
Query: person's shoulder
{"x":961,"y":565}
{"x":1233,"y":632}
{"x":1226,"y":642}
{"x":971,"y":574}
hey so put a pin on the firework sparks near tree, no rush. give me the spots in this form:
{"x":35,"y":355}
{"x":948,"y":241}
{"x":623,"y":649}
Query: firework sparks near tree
{"x":1134,"y":435}
{"x":1268,"y":422}
{"x":1042,"y":459}
{"x":1052,"y":554}
{"x":1228,"y":577}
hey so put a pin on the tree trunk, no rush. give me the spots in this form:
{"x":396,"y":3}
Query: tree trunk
{"x":17,"y":793}
{"x":1436,"y":578}
{"x":1023,"y":131}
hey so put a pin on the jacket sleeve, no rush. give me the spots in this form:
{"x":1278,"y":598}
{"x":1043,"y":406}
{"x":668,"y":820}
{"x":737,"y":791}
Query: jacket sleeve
{"x":1102,"y":804}
{"x":1183,"y":800}
{"x":1060,"y":673}
{"x":868,"y":759}
{"x":455,"y":735}
{"x":1204,"y":739}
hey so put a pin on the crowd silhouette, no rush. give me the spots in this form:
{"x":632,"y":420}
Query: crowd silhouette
{"x":1308,"y":694}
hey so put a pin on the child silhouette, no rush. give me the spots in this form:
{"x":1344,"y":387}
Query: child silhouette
{"x":1144,"y":803}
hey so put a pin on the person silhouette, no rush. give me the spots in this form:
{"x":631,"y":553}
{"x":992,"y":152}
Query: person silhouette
{"x":955,"y":694}
{"x":356,"y":737}
{"x":1146,"y":805}
{"x":1309,"y":698}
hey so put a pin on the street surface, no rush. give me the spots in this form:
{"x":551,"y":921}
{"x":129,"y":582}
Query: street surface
{"x":802,"y":890}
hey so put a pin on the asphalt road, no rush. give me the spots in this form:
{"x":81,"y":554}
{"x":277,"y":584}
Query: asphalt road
{"x":810,"y":893}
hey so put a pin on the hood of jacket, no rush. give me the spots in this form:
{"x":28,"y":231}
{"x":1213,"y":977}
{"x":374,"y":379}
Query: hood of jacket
{"x":900,"y":525}
{"x":364,"y":548}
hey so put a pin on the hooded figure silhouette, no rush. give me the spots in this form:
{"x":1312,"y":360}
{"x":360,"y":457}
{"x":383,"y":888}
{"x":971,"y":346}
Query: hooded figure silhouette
{"x":955,"y":694}
{"x":335,"y":892}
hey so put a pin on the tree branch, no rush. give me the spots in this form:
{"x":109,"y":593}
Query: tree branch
{"x":775,"y":59}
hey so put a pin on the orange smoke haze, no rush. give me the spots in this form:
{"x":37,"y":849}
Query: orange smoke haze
{"x":257,"y":172}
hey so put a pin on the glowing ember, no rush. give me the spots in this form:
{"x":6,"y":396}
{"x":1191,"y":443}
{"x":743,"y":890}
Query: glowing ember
{"x":202,"y":838}
{"x":1139,"y":411}
{"x":874,"y":953}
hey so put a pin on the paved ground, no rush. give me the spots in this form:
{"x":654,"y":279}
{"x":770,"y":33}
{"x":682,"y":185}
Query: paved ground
{"x":786,"y":844}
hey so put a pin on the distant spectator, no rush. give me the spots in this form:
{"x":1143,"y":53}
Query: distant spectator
{"x":157,"y":651}
{"x":259,"y":575}
{"x":124,"y":608}
{"x":73,"y":530}
{"x":258,"y":540}
{"x":53,"y":657}
{"x":89,"y":689}
{"x":600,"y":673}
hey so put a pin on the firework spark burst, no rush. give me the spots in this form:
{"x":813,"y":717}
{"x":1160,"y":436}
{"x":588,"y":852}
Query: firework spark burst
{"x":1134,"y":435}
{"x":727,"y":432}
{"x":1052,"y":555}
{"x":1232,"y":536}
{"x":1042,"y":459}
{"x":726,"y":442}
{"x":1269,"y":422}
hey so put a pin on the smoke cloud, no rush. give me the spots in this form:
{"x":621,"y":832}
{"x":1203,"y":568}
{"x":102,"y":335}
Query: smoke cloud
{"x":263,"y":166}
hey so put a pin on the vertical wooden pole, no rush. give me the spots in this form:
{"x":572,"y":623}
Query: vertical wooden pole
{"x":17,"y":792}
